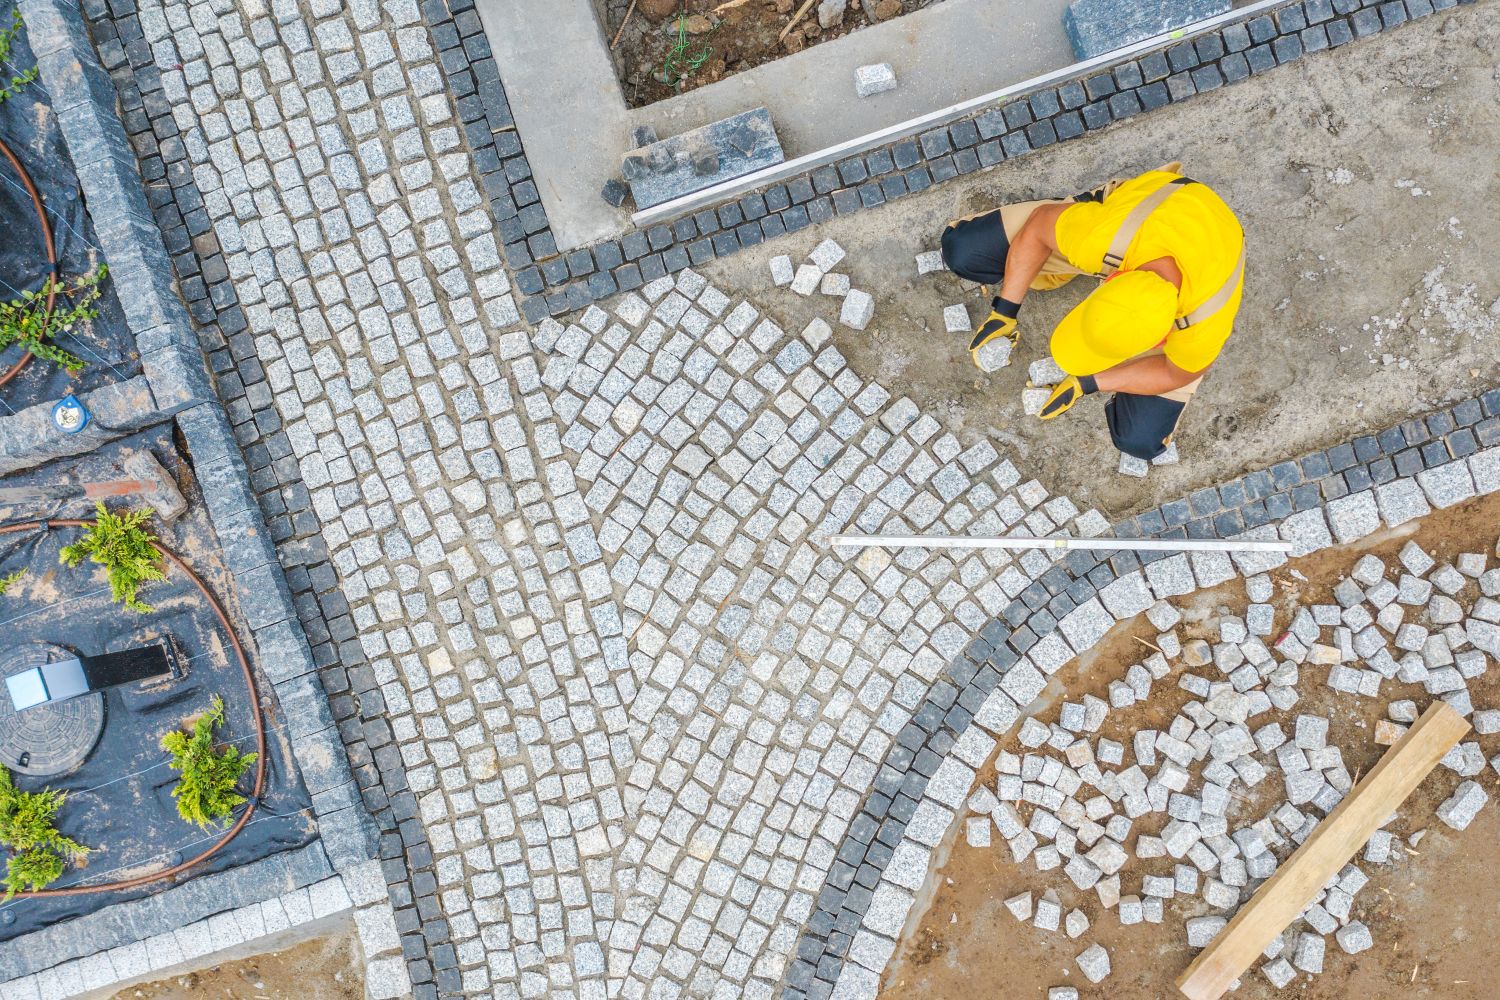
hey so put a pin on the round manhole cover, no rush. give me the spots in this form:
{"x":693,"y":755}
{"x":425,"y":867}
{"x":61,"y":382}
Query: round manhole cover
{"x":48,"y":739}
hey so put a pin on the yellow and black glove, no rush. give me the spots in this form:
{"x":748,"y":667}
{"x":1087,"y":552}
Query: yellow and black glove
{"x":1067,"y":392}
{"x":997,"y":336}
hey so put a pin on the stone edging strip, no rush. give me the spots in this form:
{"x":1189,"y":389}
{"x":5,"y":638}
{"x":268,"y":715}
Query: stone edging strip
{"x":83,"y":97}
{"x":1402,"y":473}
{"x":556,"y":283}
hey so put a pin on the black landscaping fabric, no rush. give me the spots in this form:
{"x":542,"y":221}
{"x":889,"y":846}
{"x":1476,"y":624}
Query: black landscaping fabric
{"x":119,"y":800}
{"x":30,"y":130}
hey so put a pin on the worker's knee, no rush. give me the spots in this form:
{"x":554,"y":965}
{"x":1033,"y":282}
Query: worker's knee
{"x":1141,"y":425}
{"x":975,"y":249}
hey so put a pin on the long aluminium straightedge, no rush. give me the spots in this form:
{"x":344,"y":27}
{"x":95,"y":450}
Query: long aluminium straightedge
{"x":1114,"y":544}
{"x":942,"y":116}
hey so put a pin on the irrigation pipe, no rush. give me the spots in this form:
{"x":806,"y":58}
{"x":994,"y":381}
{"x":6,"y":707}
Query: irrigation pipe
{"x":260,"y":726}
{"x":41,"y":218}
{"x":1118,"y":544}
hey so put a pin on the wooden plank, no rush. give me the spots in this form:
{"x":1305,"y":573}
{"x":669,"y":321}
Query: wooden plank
{"x":1333,"y":842}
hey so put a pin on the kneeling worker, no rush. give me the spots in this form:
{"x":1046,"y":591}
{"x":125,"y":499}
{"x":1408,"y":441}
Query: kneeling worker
{"x":1172,"y":258}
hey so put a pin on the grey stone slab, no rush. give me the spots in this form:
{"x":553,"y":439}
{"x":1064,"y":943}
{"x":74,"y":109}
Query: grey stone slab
{"x":1095,"y":27}
{"x":706,"y":156}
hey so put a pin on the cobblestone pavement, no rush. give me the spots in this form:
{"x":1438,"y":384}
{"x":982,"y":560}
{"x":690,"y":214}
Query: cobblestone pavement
{"x":636,"y":700}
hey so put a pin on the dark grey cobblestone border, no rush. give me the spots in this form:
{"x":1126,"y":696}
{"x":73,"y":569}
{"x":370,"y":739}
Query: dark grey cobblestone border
{"x":1251,"y":501}
{"x":556,"y":283}
{"x":337,"y":682}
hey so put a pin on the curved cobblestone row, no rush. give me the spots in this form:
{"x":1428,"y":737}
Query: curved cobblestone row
{"x":1318,"y":509}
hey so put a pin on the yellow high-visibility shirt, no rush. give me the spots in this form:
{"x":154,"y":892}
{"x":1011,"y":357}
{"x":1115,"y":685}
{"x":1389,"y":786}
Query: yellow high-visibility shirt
{"x":1194,"y":227}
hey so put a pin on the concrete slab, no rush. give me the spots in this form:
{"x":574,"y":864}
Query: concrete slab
{"x":552,"y":52}
{"x":1371,"y":292}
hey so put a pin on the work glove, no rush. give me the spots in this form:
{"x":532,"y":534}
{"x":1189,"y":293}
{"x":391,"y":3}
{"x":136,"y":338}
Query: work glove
{"x":1067,"y":392}
{"x":997,"y":336}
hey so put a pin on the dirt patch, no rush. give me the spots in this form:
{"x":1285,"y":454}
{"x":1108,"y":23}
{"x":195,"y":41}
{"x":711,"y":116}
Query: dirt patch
{"x":672,"y":46}
{"x":1429,"y":909}
{"x":324,"y":969}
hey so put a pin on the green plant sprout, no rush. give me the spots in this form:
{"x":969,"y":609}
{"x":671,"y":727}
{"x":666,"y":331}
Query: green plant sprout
{"x":126,"y":550}
{"x":205,"y":791}
{"x":38,"y":852}
{"x":7,"y":40}
{"x":24,"y":320}
{"x":9,"y":580}
{"x":680,"y":62}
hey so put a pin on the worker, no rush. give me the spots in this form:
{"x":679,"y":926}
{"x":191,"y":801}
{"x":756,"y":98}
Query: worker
{"x":1171,"y":256}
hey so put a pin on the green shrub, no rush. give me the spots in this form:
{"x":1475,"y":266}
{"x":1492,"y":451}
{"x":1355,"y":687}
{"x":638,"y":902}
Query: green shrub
{"x":37,"y":851}
{"x":9,"y":580}
{"x":126,"y":551}
{"x":205,"y":791}
{"x":7,"y":40}
{"x":24,"y":321}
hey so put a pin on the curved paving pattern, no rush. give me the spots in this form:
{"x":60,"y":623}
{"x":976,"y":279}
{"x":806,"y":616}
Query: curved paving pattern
{"x":630,"y":729}
{"x":1325,"y":498}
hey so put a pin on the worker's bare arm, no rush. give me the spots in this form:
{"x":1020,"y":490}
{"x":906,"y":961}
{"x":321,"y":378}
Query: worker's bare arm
{"x":1151,"y":376}
{"x":1029,"y":251}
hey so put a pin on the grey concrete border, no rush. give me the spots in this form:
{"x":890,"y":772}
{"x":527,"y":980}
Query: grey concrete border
{"x":176,"y":382}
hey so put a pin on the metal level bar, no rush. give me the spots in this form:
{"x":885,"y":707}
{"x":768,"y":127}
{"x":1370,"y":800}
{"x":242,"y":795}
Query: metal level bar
{"x":1116,"y":544}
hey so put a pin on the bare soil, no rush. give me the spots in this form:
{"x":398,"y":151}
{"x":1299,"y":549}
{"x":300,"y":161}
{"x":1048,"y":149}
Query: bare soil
{"x":1430,"y":910}
{"x":719,"y":38}
{"x":323,"y":969}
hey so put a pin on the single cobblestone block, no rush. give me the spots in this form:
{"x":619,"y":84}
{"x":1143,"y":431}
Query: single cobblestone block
{"x":1094,"y":963}
{"x":1062,"y":993}
{"x":807,"y":279}
{"x":858,"y":309}
{"x":1032,"y":400}
{"x":614,"y":192}
{"x":1461,"y":808}
{"x":930,"y":261}
{"x":1132,"y":466}
{"x":1400,"y":501}
{"x":956,"y":318}
{"x":1446,"y":485}
{"x":825,"y":255}
{"x":1354,"y":938}
{"x":874,"y":79}
{"x":1354,"y":516}
{"x":836,"y":285}
{"x":781,"y":270}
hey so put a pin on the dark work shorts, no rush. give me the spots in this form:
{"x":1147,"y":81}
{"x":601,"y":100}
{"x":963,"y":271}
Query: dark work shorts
{"x":975,"y":249}
{"x":1141,"y":425}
